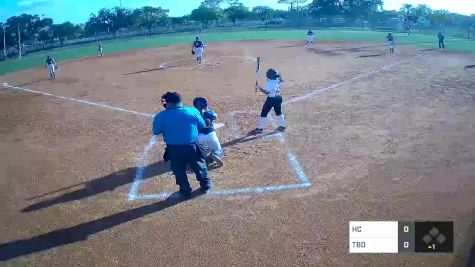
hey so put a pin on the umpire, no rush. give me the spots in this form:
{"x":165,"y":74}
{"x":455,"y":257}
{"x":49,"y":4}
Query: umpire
{"x":179,"y":126}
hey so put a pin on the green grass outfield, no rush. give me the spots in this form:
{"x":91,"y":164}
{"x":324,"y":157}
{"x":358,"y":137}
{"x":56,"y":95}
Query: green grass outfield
{"x":73,"y":52}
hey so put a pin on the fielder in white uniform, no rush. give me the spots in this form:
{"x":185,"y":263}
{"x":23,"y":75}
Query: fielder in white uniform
{"x":100,"y":49}
{"x":198,"y":50}
{"x":207,"y":137}
{"x":310,"y":37}
{"x":51,"y":65}
{"x":391,"y":42}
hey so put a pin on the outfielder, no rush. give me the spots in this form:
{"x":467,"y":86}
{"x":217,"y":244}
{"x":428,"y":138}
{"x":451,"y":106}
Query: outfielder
{"x":310,"y":37}
{"x":207,"y":136}
{"x":273,"y":101}
{"x":100,"y":49}
{"x":198,"y":49}
{"x":391,"y":42}
{"x":51,"y":65}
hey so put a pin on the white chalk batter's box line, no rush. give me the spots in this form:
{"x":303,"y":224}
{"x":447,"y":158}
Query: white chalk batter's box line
{"x":291,"y":157}
{"x":303,"y":181}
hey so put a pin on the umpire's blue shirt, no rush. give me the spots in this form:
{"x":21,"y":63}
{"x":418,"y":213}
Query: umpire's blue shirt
{"x":179,"y":125}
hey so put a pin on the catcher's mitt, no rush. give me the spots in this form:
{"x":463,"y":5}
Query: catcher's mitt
{"x":192,"y":52}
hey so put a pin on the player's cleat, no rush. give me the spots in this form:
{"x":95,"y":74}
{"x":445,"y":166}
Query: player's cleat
{"x":206,"y":186}
{"x":185,"y":192}
{"x":281,"y":129}
{"x":257,"y":131}
{"x":217,"y":159}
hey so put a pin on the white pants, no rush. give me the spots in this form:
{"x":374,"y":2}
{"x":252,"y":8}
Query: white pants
{"x":310,"y":38}
{"x":198,"y":51}
{"x":391,"y":44}
{"x":51,"y":68}
{"x":211,"y":141}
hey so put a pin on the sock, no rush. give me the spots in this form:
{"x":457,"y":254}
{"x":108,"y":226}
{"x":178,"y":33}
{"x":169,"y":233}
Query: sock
{"x":281,"y":120}
{"x":262,"y":122}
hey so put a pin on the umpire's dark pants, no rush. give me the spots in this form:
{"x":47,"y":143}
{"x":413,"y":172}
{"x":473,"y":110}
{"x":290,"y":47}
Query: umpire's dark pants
{"x":194,"y":156}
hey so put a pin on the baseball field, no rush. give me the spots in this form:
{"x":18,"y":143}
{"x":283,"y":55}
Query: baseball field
{"x":370,"y":136}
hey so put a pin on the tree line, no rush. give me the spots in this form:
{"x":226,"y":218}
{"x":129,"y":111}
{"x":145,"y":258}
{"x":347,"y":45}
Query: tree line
{"x":36,"y":29}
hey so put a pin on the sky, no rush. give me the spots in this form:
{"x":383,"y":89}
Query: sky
{"x":78,"y":11}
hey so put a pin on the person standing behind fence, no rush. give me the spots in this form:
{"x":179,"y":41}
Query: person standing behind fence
{"x":441,"y":40}
{"x":179,"y":126}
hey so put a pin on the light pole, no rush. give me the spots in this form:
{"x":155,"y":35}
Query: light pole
{"x":4,"y":42}
{"x":19,"y":42}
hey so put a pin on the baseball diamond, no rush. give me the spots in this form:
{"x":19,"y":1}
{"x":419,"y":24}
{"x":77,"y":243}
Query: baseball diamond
{"x":302,"y":136}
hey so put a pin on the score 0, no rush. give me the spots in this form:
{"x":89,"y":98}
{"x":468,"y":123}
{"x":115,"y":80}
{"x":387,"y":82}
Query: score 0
{"x":406,"y":236}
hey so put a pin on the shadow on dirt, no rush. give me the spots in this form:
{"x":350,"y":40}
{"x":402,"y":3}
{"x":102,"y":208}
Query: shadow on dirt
{"x":112,"y":181}
{"x":82,"y":231}
{"x":144,"y":71}
{"x":373,"y":55}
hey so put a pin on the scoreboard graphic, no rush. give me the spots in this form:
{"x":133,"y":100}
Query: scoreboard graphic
{"x":400,"y":237}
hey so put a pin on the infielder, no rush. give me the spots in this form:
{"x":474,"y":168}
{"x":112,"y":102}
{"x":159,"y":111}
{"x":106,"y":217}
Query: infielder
{"x":207,"y":136}
{"x":198,"y":49}
{"x":273,"y":101}
{"x":51,"y":65}
{"x":100,"y":49}
{"x":441,"y":38}
{"x":310,"y":37}
{"x":391,"y":42}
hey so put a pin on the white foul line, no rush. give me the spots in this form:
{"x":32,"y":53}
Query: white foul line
{"x":80,"y":101}
{"x":335,"y":86}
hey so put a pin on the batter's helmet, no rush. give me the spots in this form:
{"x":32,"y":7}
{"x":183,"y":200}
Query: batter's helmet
{"x":272,"y":74}
{"x":200,"y":103}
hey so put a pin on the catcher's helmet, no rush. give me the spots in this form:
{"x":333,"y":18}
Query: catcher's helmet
{"x":200,"y":103}
{"x":272,"y":74}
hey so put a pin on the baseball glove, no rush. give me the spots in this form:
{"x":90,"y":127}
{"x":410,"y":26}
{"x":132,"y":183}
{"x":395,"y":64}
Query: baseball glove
{"x":192,"y":52}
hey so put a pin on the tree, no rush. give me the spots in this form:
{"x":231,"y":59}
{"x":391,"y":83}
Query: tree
{"x":29,"y":26}
{"x":325,"y":7}
{"x":95,"y":25}
{"x":236,"y":11}
{"x":440,"y":18}
{"x":65,"y":31}
{"x":120,"y":18}
{"x":204,"y":14}
{"x":149,"y":17}
{"x":407,"y":8}
{"x":264,"y":13}
{"x":45,"y":36}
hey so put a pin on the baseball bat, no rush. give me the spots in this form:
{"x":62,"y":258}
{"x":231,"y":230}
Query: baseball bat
{"x":258,"y":66}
